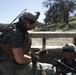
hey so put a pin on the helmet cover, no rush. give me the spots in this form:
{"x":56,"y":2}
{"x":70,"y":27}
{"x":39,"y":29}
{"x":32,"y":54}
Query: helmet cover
{"x":69,"y":47}
{"x":31,"y":16}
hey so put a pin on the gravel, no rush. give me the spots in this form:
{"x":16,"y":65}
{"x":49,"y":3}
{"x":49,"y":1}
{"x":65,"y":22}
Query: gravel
{"x":51,"y":41}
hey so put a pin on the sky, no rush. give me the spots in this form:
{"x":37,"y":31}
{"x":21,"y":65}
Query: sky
{"x":10,"y":9}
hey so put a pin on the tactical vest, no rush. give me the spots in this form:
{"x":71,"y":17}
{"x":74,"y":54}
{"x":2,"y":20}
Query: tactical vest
{"x":7,"y":49}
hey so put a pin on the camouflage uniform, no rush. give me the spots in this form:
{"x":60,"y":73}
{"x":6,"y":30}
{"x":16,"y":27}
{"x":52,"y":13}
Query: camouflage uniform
{"x":14,"y":38}
{"x":65,"y":71}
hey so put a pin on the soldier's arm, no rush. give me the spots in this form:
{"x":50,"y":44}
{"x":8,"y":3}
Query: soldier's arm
{"x":19,"y":56}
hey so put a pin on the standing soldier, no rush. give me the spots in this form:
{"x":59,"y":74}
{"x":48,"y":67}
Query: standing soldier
{"x":15,"y":47}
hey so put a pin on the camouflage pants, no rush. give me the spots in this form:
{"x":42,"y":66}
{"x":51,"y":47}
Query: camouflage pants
{"x":8,"y":68}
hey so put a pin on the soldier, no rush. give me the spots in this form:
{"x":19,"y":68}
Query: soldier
{"x":68,"y":51}
{"x":15,"y":47}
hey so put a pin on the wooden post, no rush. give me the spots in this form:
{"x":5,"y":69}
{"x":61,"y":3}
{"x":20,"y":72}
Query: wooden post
{"x":43,"y":43}
{"x":74,"y":41}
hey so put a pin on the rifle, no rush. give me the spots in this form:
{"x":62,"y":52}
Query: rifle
{"x":3,"y":31}
{"x":61,"y":65}
{"x":9,"y":26}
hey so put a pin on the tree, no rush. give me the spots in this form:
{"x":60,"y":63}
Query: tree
{"x":59,"y":9}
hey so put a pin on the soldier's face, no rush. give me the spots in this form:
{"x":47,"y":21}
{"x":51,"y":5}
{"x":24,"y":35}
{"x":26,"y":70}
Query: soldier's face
{"x":29,"y":26}
{"x":68,"y":55}
{"x":28,"y":23}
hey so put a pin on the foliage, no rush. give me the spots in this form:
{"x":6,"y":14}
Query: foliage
{"x":3,"y":26}
{"x":59,"y":26}
{"x":58,"y":10}
{"x":72,"y":18}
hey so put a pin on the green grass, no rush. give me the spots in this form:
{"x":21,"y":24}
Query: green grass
{"x":52,"y":27}
{"x":60,"y":26}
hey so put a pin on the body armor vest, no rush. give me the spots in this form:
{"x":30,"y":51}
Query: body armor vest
{"x":7,"y":48}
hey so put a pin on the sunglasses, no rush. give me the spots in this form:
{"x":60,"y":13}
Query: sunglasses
{"x":30,"y":21}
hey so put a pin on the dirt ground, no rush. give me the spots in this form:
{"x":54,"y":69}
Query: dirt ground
{"x":52,"y":41}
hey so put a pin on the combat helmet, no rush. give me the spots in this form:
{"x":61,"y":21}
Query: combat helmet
{"x":31,"y":16}
{"x":69,"y":47}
